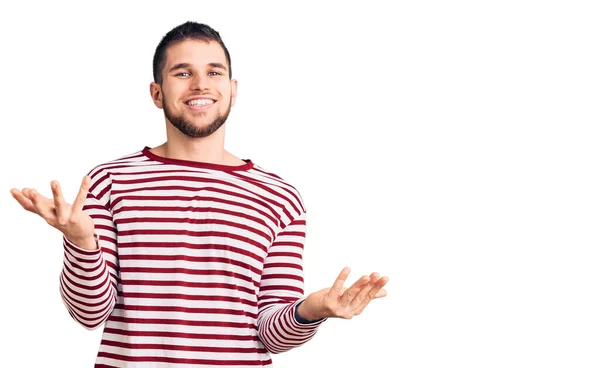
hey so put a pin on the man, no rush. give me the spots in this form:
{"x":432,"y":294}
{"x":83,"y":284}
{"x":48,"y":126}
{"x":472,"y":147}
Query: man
{"x":189,"y":254}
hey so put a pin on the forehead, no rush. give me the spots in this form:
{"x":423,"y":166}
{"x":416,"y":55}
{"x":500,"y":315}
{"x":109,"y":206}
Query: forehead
{"x":195,"y":52}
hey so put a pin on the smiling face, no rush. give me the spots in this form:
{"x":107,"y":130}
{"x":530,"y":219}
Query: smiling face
{"x":196,"y":93}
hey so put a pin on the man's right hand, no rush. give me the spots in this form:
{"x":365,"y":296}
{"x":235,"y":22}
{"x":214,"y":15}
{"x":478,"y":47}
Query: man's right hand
{"x":76,"y":225}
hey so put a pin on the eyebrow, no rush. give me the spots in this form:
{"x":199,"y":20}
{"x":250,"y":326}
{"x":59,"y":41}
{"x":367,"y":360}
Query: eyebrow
{"x":217,"y":65}
{"x":187,"y":65}
{"x":179,"y":66}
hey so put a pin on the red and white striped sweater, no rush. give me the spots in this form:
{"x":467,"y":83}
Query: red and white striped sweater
{"x":200,"y":264}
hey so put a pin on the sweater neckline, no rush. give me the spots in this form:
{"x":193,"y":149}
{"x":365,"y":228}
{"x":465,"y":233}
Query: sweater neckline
{"x":205,"y":165}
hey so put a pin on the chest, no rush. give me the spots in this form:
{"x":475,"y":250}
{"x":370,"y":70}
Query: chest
{"x":196,"y":224}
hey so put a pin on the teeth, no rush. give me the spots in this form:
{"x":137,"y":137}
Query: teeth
{"x":200,"y":102}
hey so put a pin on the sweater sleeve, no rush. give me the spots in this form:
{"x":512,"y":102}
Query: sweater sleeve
{"x":88,"y":282}
{"x":282,"y":289}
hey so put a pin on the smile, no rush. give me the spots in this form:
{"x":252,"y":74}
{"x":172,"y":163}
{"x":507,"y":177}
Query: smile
{"x":200,"y":103}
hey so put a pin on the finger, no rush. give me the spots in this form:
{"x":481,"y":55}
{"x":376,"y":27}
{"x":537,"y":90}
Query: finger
{"x":352,"y":292}
{"x":59,"y":201}
{"x":378,"y":291}
{"x":375,"y":290}
{"x":43,"y":206}
{"x":25,"y":192}
{"x":23,"y":200}
{"x":380,"y":294}
{"x":336,"y":289}
{"x":81,"y":196}
{"x":363,"y":293}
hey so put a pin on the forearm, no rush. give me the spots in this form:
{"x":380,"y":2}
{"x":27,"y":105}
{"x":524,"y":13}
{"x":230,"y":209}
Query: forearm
{"x":86,"y":285}
{"x":280,"y":331}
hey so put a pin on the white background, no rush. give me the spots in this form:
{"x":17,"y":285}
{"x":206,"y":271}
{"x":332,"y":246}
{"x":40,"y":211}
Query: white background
{"x":453,"y":146}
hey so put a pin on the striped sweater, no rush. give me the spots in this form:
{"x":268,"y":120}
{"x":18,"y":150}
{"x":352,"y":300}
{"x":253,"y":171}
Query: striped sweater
{"x":200,"y":265}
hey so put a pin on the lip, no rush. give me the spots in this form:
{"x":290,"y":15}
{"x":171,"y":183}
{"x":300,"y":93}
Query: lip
{"x":200,"y":97}
{"x":201,"y":107}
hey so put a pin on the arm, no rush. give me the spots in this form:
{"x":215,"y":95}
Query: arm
{"x":88,"y":280}
{"x":89,"y":276}
{"x":282,"y":289}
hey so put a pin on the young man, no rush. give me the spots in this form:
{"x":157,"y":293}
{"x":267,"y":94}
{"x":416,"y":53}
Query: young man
{"x":189,"y":254}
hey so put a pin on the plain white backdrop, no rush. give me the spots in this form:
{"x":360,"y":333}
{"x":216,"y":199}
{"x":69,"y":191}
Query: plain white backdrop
{"x":452,"y":146}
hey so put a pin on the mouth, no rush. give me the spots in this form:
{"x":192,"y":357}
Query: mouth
{"x":200,"y":103}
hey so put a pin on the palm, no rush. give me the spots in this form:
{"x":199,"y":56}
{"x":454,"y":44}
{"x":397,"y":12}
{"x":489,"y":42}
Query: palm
{"x":339,"y":301}
{"x":70,"y":219}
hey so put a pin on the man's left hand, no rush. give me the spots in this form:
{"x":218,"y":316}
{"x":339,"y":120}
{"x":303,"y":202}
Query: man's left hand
{"x":340,"y":302}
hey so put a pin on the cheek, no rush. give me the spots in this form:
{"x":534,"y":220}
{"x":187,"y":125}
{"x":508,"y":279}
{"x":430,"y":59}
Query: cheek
{"x":226,"y":94}
{"x":172,"y":93}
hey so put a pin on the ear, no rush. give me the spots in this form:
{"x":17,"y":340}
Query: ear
{"x":234,"y":85}
{"x":156,"y":94}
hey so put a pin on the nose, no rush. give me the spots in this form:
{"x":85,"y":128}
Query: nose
{"x":199,"y":82}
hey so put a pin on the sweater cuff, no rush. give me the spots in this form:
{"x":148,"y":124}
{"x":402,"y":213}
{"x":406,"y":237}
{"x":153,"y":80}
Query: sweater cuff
{"x":85,"y":254}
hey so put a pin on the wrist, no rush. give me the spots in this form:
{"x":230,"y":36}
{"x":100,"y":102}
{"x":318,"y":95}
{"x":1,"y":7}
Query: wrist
{"x":306,"y":312}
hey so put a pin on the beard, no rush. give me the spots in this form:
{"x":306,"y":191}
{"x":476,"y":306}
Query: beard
{"x":190,"y":129}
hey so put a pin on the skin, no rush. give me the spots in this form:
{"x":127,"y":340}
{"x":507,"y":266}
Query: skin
{"x":197,"y":69}
{"x":340,"y":302}
{"x":76,"y":225}
{"x":198,"y":76}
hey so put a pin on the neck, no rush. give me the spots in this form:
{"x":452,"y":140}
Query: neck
{"x":209,"y":149}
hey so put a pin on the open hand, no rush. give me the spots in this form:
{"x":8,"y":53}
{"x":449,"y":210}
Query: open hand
{"x":338,"y":301}
{"x":76,"y":225}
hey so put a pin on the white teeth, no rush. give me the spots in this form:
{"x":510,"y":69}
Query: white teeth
{"x":200,"y":102}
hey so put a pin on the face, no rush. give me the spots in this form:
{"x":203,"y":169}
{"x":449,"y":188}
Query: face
{"x":196,"y":93}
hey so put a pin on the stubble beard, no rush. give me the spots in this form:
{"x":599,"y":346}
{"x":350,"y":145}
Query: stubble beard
{"x":190,"y":129}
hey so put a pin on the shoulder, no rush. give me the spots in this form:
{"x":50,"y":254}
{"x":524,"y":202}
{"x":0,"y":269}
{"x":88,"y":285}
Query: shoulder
{"x":102,"y":174}
{"x":279,"y":189}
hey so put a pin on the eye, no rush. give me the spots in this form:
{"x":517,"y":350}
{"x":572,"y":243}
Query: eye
{"x":182,"y":74}
{"x":214,"y":73}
